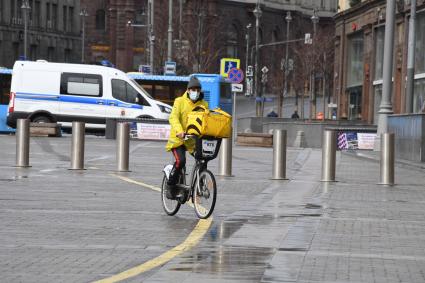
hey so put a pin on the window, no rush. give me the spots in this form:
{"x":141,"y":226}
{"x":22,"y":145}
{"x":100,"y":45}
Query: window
{"x":275,"y":34}
{"x":12,"y":8}
{"x":379,"y":54}
{"x":420,"y":44}
{"x":18,"y":9}
{"x":355,"y":75}
{"x":419,"y":97}
{"x":123,"y":91}
{"x":54,"y":16}
{"x":64,"y":18}
{"x":48,"y":20}
{"x":100,"y":19}
{"x":70,"y":15}
{"x":15,"y":50}
{"x":232,"y":42}
{"x":33,"y":52}
{"x":51,"y":54}
{"x":67,"y":55}
{"x":37,"y":14}
{"x":355,"y":60}
{"x":81,"y":84}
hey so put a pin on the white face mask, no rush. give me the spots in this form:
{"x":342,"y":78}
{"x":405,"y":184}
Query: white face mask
{"x":193,"y":95}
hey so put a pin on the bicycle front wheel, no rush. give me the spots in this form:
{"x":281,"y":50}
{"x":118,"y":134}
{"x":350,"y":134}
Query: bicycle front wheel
{"x":205,"y":195}
{"x":171,"y":206}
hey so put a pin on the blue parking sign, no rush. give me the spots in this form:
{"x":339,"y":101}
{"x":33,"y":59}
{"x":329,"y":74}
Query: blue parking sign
{"x":226,"y":64}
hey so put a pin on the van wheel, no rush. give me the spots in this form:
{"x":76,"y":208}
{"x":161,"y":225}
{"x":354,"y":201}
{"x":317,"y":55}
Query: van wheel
{"x":41,"y":119}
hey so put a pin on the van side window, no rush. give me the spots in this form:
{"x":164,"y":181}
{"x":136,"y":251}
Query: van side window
{"x":123,"y":91}
{"x":81,"y":84}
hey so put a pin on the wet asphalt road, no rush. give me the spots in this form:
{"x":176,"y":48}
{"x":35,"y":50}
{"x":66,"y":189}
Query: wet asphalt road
{"x":60,"y":225}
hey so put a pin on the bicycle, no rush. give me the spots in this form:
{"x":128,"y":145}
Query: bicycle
{"x":202,"y":185}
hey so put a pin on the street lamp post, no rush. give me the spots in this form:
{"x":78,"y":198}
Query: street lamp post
{"x":315,"y":20}
{"x":83,"y":15}
{"x":170,"y":30}
{"x":257,"y":13}
{"x":248,"y":71}
{"x":386,"y":107}
{"x":25,"y":8}
{"x":151,"y":34}
{"x":288,"y":19}
{"x":248,"y":30}
{"x":411,"y":58}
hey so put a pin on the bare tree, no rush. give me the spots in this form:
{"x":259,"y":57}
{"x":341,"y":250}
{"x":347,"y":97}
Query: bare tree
{"x":202,"y":39}
{"x":311,"y":63}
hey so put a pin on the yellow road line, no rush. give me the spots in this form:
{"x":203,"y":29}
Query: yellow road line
{"x":137,"y":183}
{"x":192,"y":240}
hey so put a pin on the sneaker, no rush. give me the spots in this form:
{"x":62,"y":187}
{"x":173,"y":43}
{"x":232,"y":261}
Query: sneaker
{"x":171,"y":192}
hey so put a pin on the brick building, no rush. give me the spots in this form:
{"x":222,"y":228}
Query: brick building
{"x":53,"y":31}
{"x":359,"y":59}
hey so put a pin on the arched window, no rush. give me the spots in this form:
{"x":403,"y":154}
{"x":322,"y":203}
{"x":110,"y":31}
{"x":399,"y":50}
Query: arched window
{"x":100,"y":19}
{"x":232,"y":42}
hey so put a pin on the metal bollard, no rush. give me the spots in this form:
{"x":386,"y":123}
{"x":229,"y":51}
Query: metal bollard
{"x":77,"y":148}
{"x":123,"y":146}
{"x":328,"y":156}
{"x":225,"y":159}
{"x":279,"y":155}
{"x":22,"y":143}
{"x":387,"y":159}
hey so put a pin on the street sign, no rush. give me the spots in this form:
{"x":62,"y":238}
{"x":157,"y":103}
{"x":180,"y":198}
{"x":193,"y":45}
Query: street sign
{"x":235,"y":75}
{"x":308,"y":39}
{"x":249,"y":72}
{"x":237,"y":87}
{"x":226,"y":64}
{"x":170,"y":68}
{"x":146,"y":69}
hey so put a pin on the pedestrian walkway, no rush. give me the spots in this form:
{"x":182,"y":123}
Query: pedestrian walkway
{"x":60,"y":225}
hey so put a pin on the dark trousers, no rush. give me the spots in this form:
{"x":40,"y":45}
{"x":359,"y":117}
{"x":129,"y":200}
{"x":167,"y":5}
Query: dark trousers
{"x":179,"y":154}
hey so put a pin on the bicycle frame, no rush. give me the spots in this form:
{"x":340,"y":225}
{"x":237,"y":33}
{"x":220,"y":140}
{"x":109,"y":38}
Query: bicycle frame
{"x":200,"y":165}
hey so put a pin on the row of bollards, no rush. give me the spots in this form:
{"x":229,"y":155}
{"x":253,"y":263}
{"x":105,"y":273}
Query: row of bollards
{"x":329,"y":147}
{"x":387,"y":158}
{"x":77,"y":145}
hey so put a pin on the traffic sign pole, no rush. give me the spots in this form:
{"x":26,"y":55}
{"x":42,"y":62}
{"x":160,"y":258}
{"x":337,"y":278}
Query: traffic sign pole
{"x":234,"y":124}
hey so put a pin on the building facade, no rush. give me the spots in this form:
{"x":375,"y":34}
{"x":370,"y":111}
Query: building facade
{"x":203,"y":30}
{"x":53,"y":31}
{"x":359,"y":47}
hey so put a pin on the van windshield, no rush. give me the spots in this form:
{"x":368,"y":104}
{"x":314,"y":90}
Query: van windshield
{"x":141,"y":89}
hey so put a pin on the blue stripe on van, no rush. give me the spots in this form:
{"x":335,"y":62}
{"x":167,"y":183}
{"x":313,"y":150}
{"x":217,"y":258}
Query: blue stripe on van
{"x":75,"y":99}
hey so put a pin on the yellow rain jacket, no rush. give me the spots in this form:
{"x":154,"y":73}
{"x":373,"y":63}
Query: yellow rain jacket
{"x":178,"y":119}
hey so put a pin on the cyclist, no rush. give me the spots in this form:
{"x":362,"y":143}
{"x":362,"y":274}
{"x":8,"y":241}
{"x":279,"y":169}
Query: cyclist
{"x":192,"y":98}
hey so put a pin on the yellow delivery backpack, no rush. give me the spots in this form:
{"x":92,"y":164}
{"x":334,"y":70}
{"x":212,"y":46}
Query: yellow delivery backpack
{"x":204,"y":122}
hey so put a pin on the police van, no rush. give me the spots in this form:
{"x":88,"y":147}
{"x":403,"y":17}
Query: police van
{"x":58,"y":92}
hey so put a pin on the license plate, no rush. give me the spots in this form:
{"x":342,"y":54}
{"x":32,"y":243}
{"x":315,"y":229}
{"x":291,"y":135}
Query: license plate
{"x":208,"y":146}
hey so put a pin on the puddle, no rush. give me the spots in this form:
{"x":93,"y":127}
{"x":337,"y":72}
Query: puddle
{"x":241,"y":263}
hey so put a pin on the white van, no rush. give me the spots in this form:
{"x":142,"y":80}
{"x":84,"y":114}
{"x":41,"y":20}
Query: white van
{"x":57,"y":92}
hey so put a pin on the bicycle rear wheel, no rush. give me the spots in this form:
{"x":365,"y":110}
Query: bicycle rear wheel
{"x":205,"y":195}
{"x":170,"y":206}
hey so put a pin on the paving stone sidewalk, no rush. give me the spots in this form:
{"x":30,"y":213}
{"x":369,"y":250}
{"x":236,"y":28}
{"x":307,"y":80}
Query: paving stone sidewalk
{"x":65,"y":226}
